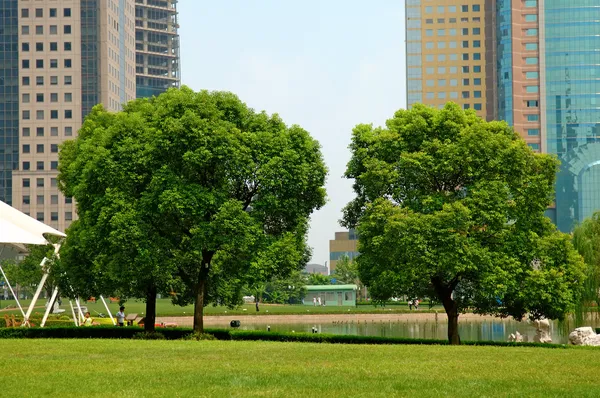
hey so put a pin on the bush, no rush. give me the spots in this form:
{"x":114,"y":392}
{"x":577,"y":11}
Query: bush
{"x":93,"y":332}
{"x":200,"y":336}
{"x":149,"y":336}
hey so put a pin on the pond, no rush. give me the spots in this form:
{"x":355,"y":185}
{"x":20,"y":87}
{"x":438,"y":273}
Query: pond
{"x":469,"y":329}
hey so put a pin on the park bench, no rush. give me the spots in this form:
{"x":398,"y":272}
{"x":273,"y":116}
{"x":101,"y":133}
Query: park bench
{"x":130,"y":319}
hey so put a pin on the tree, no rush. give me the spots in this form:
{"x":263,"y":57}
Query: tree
{"x":586,"y":239}
{"x":28,"y":272}
{"x":452,"y":207}
{"x":318,"y":279}
{"x":346,"y":271}
{"x":189,"y":192}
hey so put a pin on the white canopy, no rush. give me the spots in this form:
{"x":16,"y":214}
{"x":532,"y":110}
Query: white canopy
{"x":17,"y":228}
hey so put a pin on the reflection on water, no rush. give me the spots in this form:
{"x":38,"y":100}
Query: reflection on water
{"x":474,"y":330}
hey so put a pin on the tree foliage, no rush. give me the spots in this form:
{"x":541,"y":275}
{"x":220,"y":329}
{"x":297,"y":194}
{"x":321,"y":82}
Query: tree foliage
{"x":346,"y":271}
{"x":318,"y":279}
{"x":193,"y":193}
{"x":450,"y":206}
{"x":586,"y":239}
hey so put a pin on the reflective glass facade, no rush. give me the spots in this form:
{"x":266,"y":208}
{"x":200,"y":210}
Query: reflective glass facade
{"x":414,"y":74}
{"x":90,"y":89}
{"x":504,"y":60}
{"x":572,"y":103}
{"x":9,"y":96}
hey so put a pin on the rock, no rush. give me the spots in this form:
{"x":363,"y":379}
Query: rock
{"x":542,"y":333}
{"x":515,"y":337}
{"x":584,"y":336}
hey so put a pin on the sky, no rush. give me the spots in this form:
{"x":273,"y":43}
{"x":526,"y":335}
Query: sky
{"x":326,"y":65}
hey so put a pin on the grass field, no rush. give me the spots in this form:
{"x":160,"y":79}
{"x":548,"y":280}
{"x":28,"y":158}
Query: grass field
{"x":165,"y":308}
{"x":128,"y":368}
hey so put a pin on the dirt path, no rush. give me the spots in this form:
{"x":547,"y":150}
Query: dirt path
{"x":223,"y":320}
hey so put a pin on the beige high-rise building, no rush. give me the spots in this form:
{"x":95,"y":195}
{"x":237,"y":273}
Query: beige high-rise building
{"x":450,"y":54}
{"x":72,"y":55}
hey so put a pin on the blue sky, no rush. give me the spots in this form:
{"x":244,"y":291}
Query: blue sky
{"x":326,"y":65}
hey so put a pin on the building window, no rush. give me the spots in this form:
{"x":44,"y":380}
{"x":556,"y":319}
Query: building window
{"x":24,"y":12}
{"x":476,"y":94}
{"x":53,"y":46}
{"x":67,"y":12}
{"x":429,"y":32}
{"x":67,"y":29}
{"x":476,"y":7}
{"x":429,"y":45}
{"x":39,"y":63}
{"x":476,"y":43}
{"x":465,"y":57}
{"x":53,"y":13}
{"x":453,"y":82}
{"x":26,"y":131}
{"x":53,"y":97}
{"x":25,"y":64}
{"x":532,"y":75}
{"x":67,"y":46}
{"x":39,"y":13}
{"x":533,"y":132}
{"x":477,"y":107}
{"x":39,"y":80}
{"x":26,"y":115}
{"x":26,"y":166}
{"x":39,"y":131}
{"x":39,"y":115}
{"x":530,"y":3}
{"x":464,"y":8}
{"x":26,"y":183}
{"x":428,"y":10}
{"x":68,"y":200}
{"x":68,"y":216}
{"x":533,"y":118}
{"x":477,"y":69}
{"x":54,"y":216}
{"x":535,"y":147}
{"x":53,"y":80}
{"x":53,"y":29}
{"x":465,"y":31}
{"x":68,"y":131}
{"x":68,"y":80}
{"x":476,"y":31}
{"x":39,"y":29}
{"x":24,"y":47}
{"x":26,"y":148}
{"x":466,"y":82}
{"x":40,"y":199}
{"x":40,"y":165}
{"x":67,"y":63}
{"x":53,"y":199}
{"x":54,"y":148}
{"x":53,"y":63}
{"x":54,"y":114}
{"x":531,"y":46}
{"x":531,"y":32}
{"x":25,"y":98}
{"x":465,"y":69}
{"x":466,"y":106}
{"x":39,"y":46}
{"x":68,"y":114}
{"x":451,"y":8}
{"x":531,"y":60}
{"x":441,"y":32}
{"x":54,"y":131}
{"x":26,"y":200}
{"x":24,"y":30}
{"x":68,"y":97}
{"x":54,"y":165}
{"x":531,"y":18}
{"x":53,"y":182}
{"x":532,"y":89}
{"x":477,"y":56}
{"x":40,"y":216}
{"x":477,"y":81}
{"x":532,"y":104}
{"x":40,"y":148}
{"x":465,"y":44}
{"x":25,"y":80}
{"x":465,"y":94}
{"x":452,"y":32}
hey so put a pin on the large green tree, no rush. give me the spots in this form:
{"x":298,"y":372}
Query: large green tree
{"x":586,"y":239}
{"x":452,"y":207}
{"x":189,"y":192}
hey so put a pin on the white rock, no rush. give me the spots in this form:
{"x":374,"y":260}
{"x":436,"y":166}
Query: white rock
{"x":584,"y":336}
{"x":542,"y":334}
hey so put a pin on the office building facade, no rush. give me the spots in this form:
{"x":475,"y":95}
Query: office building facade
{"x":70,"y":55}
{"x":542,"y":77}
{"x":345,"y":244}
{"x":157,"y":46}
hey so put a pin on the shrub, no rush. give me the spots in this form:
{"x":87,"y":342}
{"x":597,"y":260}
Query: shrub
{"x":199,"y":336}
{"x":148,"y":336}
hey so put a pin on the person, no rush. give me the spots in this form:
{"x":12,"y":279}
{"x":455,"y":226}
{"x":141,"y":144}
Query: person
{"x":410,"y":303}
{"x":256,"y":305}
{"x":416,"y":304}
{"x":319,"y":300}
{"x":87,"y":321}
{"x":121,"y":316}
{"x":314,"y":301}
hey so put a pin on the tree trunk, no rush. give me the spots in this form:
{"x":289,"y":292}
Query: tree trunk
{"x":453,"y":336}
{"x":199,"y":305}
{"x":150,"y":309}
{"x":444,"y":293}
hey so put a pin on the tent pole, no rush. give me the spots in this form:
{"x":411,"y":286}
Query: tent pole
{"x":108,"y":311}
{"x":73,"y":311}
{"x":37,"y":294}
{"x":12,"y":291}
{"x":80,"y":317}
{"x":50,"y":305}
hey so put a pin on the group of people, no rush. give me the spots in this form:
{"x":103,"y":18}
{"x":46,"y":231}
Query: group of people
{"x":88,"y":321}
{"x":317,"y":300}
{"x":413,"y":303}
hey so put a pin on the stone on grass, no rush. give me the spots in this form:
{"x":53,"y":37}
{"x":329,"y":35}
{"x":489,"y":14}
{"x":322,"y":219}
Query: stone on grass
{"x":584,"y":336}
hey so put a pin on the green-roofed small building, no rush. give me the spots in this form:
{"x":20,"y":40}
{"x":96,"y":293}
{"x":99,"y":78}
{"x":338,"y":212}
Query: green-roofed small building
{"x":331,"y":295}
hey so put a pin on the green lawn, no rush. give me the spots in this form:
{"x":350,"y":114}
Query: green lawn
{"x":165,"y":308}
{"x":128,"y":368}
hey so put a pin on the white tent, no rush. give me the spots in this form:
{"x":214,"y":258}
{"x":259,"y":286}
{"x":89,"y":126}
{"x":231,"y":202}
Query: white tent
{"x":17,"y":230}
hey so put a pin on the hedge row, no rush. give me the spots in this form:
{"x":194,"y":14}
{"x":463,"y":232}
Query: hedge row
{"x":111,"y":332}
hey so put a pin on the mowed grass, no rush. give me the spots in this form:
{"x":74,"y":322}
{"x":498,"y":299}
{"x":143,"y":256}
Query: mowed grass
{"x":129,"y":368}
{"x":164,"y":307}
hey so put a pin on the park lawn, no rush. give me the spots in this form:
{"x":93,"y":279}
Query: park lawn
{"x":164,"y":307}
{"x":133,"y":368}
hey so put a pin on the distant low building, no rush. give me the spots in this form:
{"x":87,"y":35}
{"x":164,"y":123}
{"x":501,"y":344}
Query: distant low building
{"x":316,"y":269}
{"x":345,"y":244}
{"x":331,"y":295}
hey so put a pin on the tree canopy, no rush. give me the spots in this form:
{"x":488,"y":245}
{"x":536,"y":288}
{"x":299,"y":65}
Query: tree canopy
{"x":189,"y":192}
{"x":452,"y":207}
{"x":586,"y":239}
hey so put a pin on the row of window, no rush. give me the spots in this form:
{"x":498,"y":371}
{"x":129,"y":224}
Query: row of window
{"x":452,"y":20}
{"x":39,"y":80}
{"x":453,"y":82}
{"x":453,"y":69}
{"x":39,"y":12}
{"x":40,"y":131}
{"x":453,"y":57}
{"x":39,"y":63}
{"x":452,"y":95}
{"x":463,"y":8}
{"x":39,"y":97}
{"x":40,"y":148}
{"x":39,"y":30}
{"x":39,"y":46}
{"x":39,"y":182}
{"x":452,"y":44}
{"x":40,"y":200}
{"x":53,"y":216}
{"x":451,"y":32}
{"x":39,"y":165}
{"x":40,"y":114}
